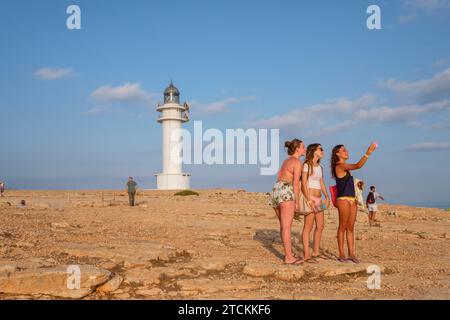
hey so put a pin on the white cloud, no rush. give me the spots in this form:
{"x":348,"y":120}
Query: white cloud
{"x":53,"y":73}
{"x":340,"y":114}
{"x":400,"y":114}
{"x":113,"y":99}
{"x":429,"y":146}
{"x":431,"y":98}
{"x":219,"y":106}
{"x":305,"y":116}
{"x":417,"y":7}
{"x":440,"y":125}
{"x":333,"y":128}
{"x":428,"y":5}
{"x":129,"y":92}
{"x":425,"y":90}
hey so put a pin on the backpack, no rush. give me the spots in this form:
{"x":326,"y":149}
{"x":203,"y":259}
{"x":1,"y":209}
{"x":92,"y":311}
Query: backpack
{"x":370,"y":198}
{"x":333,"y":191}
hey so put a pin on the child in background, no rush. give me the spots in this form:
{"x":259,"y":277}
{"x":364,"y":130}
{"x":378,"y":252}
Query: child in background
{"x":371,"y":203}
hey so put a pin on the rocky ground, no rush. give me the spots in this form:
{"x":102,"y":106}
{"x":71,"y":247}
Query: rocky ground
{"x":222,"y":244}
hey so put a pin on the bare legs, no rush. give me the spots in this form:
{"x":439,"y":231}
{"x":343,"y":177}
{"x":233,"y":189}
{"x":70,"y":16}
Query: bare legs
{"x":347,"y":218}
{"x":318,"y":232}
{"x":277,"y":212}
{"x":371,"y":217}
{"x":287,"y":210}
{"x":307,"y":228}
{"x":350,"y":228}
{"x":344,"y":212}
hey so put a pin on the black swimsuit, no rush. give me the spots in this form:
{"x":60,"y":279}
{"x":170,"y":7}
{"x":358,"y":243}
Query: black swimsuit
{"x":345,"y":186}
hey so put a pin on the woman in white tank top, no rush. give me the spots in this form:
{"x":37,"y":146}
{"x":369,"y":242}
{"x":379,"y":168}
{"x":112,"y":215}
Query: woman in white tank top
{"x":313,"y":186}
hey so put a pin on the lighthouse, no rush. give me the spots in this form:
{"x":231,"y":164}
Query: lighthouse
{"x":173,"y":114}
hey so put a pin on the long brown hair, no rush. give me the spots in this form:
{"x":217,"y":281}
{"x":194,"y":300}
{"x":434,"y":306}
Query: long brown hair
{"x":335,"y":159}
{"x":310,"y":157}
{"x":291,"y":146}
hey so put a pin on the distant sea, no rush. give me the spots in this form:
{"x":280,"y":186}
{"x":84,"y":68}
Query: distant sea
{"x":438,"y":205}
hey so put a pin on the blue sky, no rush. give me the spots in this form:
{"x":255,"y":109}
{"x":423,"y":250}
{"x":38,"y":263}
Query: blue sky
{"x":77,"y":107}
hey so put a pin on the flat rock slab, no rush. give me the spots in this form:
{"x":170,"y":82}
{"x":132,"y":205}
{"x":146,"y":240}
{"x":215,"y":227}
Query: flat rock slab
{"x":330,"y":268}
{"x":302,"y":297}
{"x":29,"y":263}
{"x":133,"y":254}
{"x":260,"y":270}
{"x":325,"y":268}
{"x":190,"y":269}
{"x":6,"y":269}
{"x":172,"y":272}
{"x":112,"y":285}
{"x":149,"y":292}
{"x":60,"y":225}
{"x":216,"y":285}
{"x":282,"y":272}
{"x":53,"y":281}
{"x":213,"y":265}
{"x":289,"y":273}
{"x":144,"y":276}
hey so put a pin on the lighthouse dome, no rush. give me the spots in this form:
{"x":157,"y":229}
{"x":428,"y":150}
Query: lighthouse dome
{"x":171,"y":89}
{"x":171,"y":94}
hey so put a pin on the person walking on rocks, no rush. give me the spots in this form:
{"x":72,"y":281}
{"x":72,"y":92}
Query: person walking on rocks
{"x":131,"y":189}
{"x":284,"y":197}
{"x":371,"y":203}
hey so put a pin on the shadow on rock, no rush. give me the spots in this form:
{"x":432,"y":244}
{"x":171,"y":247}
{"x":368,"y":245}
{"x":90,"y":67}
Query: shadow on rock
{"x":269,"y":237}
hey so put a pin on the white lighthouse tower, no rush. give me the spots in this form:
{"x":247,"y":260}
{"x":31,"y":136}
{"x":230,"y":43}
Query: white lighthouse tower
{"x":173,"y":114}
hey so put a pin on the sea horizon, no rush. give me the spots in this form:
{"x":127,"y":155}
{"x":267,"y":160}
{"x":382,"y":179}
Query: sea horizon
{"x":426,"y":204}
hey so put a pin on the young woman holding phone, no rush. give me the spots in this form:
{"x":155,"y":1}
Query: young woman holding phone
{"x":346,"y":197}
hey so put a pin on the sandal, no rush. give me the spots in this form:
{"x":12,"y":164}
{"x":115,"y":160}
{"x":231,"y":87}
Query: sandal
{"x":321,"y":256}
{"x":354,"y":260}
{"x":298,"y":261}
{"x":311,"y":260}
{"x":344,"y":260}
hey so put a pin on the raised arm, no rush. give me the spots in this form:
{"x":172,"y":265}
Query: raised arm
{"x":361,"y":162}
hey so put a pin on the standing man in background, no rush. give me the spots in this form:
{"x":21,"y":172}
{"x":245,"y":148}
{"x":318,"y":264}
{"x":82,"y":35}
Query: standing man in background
{"x":2,"y":188}
{"x":371,"y":203}
{"x":131,"y":188}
